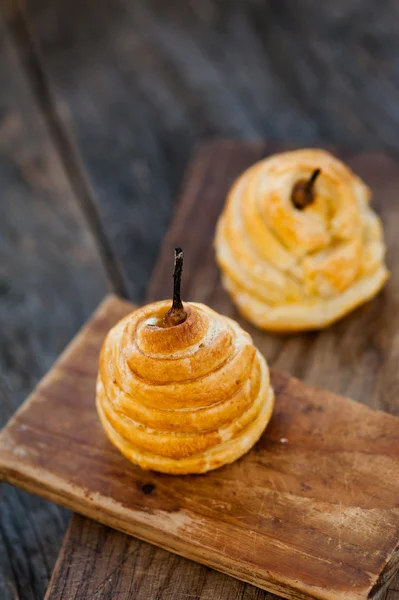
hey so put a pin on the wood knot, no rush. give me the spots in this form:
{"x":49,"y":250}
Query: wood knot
{"x":147,"y":488}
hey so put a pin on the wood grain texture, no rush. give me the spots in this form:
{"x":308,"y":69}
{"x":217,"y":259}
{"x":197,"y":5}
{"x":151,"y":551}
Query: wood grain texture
{"x":98,"y":562}
{"x":315,"y":516}
{"x":358,"y":338}
{"x":138,"y":84}
{"x":43,"y":301}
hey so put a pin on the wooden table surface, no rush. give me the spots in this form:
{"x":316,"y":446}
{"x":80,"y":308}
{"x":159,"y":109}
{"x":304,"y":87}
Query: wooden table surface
{"x":101,"y":106}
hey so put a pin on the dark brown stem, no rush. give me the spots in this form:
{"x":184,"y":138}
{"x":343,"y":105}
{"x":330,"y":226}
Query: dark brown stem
{"x":303,"y":191}
{"x":176,"y":314}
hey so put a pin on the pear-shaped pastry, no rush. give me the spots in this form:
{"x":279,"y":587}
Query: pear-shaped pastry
{"x":182,"y":390}
{"x":298,"y":244}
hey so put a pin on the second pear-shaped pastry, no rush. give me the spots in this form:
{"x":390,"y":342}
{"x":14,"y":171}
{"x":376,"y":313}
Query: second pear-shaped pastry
{"x":182,"y":390}
{"x":298,"y":244}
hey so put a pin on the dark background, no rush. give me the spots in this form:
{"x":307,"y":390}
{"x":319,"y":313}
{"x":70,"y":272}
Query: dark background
{"x":102,"y":103}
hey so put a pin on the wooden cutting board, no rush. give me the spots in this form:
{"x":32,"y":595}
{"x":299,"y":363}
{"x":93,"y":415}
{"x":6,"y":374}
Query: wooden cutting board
{"x":312,"y":511}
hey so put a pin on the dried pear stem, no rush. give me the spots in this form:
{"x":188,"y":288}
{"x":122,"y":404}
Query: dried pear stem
{"x":176,"y":315}
{"x":303,"y":191}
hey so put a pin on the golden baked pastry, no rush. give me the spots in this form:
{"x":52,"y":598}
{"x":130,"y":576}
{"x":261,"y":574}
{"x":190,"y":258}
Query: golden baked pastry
{"x":182,"y":392}
{"x":298,"y":244}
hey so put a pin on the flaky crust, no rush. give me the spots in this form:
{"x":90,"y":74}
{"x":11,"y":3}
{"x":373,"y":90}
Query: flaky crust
{"x":182,"y":399}
{"x":288,"y":269}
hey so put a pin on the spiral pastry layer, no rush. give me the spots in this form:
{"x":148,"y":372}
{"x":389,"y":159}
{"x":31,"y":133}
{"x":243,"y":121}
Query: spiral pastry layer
{"x":290,"y":269}
{"x":182,"y":399}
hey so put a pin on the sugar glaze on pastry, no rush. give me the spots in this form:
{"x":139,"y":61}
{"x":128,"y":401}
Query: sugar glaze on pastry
{"x":289,"y":268}
{"x":182,"y":390}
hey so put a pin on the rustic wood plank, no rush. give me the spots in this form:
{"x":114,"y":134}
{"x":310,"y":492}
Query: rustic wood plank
{"x":44,"y":298}
{"x":314,"y":516}
{"x":361,"y":342}
{"x":278,"y":70}
{"x":98,"y":562}
{"x":360,"y":336}
{"x":63,"y":142}
{"x":138,"y":84}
